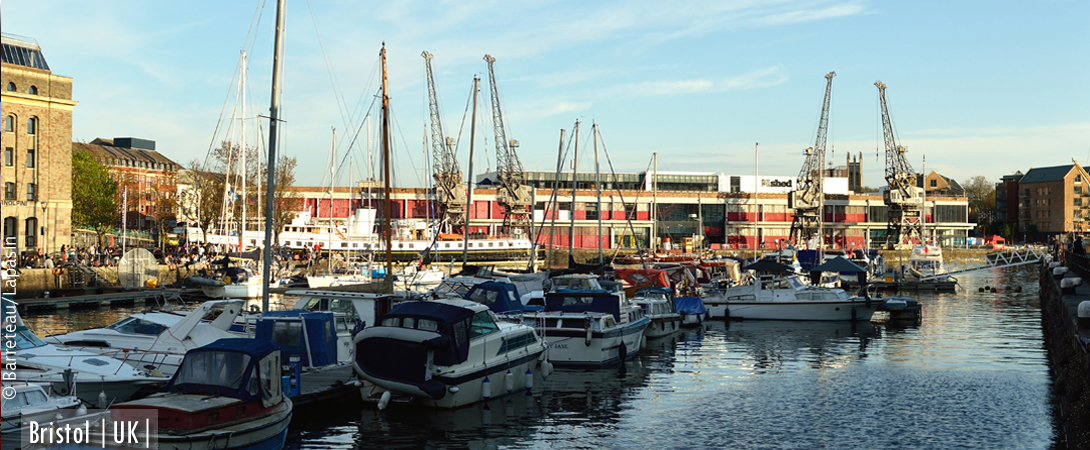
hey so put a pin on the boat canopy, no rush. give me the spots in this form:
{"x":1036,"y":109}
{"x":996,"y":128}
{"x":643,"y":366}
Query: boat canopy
{"x":501,"y":298}
{"x":573,"y":300}
{"x":295,"y":330}
{"x":246,"y":369}
{"x":690,"y":305}
{"x":455,"y":324}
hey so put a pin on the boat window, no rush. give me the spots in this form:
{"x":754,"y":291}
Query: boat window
{"x":23,"y":339}
{"x":355,"y":245}
{"x":18,"y":402}
{"x":490,"y":244}
{"x":741,"y":298}
{"x":317,"y":304}
{"x":408,"y":322}
{"x":212,"y":368}
{"x":482,"y":325}
{"x":253,"y":386}
{"x":460,"y":333}
{"x":516,"y":342}
{"x":344,"y":306}
{"x":427,"y":325}
{"x":35,"y":397}
{"x":609,"y":322}
{"x":484,"y":297}
{"x":342,"y":323}
{"x":804,"y":296}
{"x":575,"y":300}
{"x":391,"y":322}
{"x":344,"y":245}
{"x":270,"y":379}
{"x":830,"y":295}
{"x":287,"y":334}
{"x":844,"y":295}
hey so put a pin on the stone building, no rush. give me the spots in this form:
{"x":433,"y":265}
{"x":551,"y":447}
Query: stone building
{"x":150,"y":178}
{"x":37,"y":109}
{"x":1053,"y":199}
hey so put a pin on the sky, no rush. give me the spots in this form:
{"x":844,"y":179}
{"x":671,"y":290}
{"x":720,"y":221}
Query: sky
{"x":976,"y":87}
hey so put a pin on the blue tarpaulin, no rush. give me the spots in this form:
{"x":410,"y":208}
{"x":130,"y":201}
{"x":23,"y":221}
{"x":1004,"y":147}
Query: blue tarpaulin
{"x":690,"y":305}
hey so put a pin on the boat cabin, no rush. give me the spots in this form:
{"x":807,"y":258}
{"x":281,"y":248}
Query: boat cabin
{"x":501,"y":298}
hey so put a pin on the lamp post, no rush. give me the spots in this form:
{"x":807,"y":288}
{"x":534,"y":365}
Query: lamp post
{"x":696,"y":224}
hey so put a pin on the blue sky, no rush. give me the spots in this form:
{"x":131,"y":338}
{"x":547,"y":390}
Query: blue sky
{"x":980,"y":88}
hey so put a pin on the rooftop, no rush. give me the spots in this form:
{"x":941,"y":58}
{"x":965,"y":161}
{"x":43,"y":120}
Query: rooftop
{"x":21,"y":51}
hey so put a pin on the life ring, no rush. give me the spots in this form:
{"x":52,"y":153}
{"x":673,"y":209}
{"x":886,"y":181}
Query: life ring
{"x":227,"y":279}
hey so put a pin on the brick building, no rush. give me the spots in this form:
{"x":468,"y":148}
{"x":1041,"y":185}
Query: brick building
{"x":150,"y":178}
{"x":1054,"y":200}
{"x":36,"y":107}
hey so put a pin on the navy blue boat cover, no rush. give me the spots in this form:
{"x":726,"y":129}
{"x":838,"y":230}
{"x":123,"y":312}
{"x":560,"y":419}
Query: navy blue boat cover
{"x":501,"y":298}
{"x":453,"y":323}
{"x":285,"y":328}
{"x":226,"y":367}
{"x":576,"y":300}
{"x":690,"y":305}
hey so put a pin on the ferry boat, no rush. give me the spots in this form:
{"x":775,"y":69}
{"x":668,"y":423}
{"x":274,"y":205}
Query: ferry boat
{"x":445,"y":354}
{"x":225,"y":395}
{"x":411,"y":238}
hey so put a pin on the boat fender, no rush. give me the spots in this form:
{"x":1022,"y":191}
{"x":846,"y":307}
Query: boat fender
{"x":546,"y":368}
{"x":356,"y":383}
{"x":643,"y":342}
{"x":486,"y":389}
{"x":623,"y":352}
{"x":853,"y":313}
{"x":662,"y":326}
{"x":101,"y":399}
{"x":58,"y":416}
{"x":589,"y":333}
{"x":509,"y":381}
{"x":82,"y":410}
{"x":155,"y":373}
{"x":227,"y":279}
{"x":529,"y":380}
{"x":384,"y":400}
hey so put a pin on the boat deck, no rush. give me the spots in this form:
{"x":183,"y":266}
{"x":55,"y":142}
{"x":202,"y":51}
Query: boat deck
{"x":326,"y":384}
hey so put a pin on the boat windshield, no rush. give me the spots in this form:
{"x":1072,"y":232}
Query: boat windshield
{"x":795,"y":283}
{"x":451,"y":290}
{"x":23,"y":338}
{"x":134,"y":325}
{"x":225,"y":369}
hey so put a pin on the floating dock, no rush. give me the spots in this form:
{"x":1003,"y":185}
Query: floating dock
{"x":97,"y":298}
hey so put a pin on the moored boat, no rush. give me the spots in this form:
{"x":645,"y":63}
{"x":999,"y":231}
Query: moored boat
{"x":658,"y":306}
{"x":788,"y":298}
{"x":225,"y":395}
{"x":589,"y":328}
{"x":445,"y":354}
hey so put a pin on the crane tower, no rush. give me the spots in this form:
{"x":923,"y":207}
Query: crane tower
{"x":902,"y":197}
{"x":450,"y":188}
{"x":808,"y":198}
{"x":514,"y":195}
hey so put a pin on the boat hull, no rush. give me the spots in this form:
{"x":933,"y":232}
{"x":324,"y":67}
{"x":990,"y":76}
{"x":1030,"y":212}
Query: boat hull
{"x":232,"y":291}
{"x":663,"y":326}
{"x":463,"y":390}
{"x":571,"y":347}
{"x":832,"y":311}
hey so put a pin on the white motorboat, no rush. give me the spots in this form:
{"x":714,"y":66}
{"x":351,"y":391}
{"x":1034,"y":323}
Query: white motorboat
{"x":692,"y":311}
{"x":445,"y":354}
{"x":925,"y":261}
{"x":158,"y":341}
{"x":593,"y":327}
{"x":98,"y":379}
{"x":24,"y":403}
{"x":225,"y":395}
{"x":788,"y":298}
{"x":232,"y":282}
{"x":658,"y":306}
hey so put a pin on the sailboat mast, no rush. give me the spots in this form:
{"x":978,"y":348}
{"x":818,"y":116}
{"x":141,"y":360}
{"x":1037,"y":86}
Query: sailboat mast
{"x":332,"y":174}
{"x":571,"y":206}
{"x":469,"y":175}
{"x":386,"y":174}
{"x":598,"y":186}
{"x":242,"y":156}
{"x":274,"y":120}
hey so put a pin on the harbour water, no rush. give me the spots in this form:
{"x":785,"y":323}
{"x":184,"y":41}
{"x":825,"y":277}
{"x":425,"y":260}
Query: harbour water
{"x":972,"y":374}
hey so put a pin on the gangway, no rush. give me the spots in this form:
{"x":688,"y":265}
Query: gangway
{"x":999,"y":260}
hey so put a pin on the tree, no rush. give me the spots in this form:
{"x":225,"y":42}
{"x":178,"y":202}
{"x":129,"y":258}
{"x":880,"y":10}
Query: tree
{"x":94,"y":195}
{"x":203,"y":198}
{"x":166,"y":210}
{"x":285,"y":201}
{"x":981,"y":194}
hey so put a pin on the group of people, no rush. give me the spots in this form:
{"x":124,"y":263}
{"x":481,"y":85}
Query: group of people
{"x":89,"y":256}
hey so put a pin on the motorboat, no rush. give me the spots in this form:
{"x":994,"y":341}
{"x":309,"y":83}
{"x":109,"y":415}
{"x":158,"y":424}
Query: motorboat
{"x":23,"y":403}
{"x":231,"y":282}
{"x":445,"y":354}
{"x":590,"y":327}
{"x":225,"y":395}
{"x":99,"y":380}
{"x":925,"y":261}
{"x":158,"y":341}
{"x":788,"y":298}
{"x":692,"y":311}
{"x":352,"y":311}
{"x":658,"y":306}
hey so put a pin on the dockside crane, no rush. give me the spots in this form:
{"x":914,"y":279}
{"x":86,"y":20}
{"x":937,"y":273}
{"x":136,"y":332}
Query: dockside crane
{"x":903,"y":198}
{"x":450,"y":188}
{"x":808,"y":198}
{"x":514,"y":195}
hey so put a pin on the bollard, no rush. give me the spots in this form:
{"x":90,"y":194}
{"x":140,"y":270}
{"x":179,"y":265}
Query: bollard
{"x":1084,"y":316}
